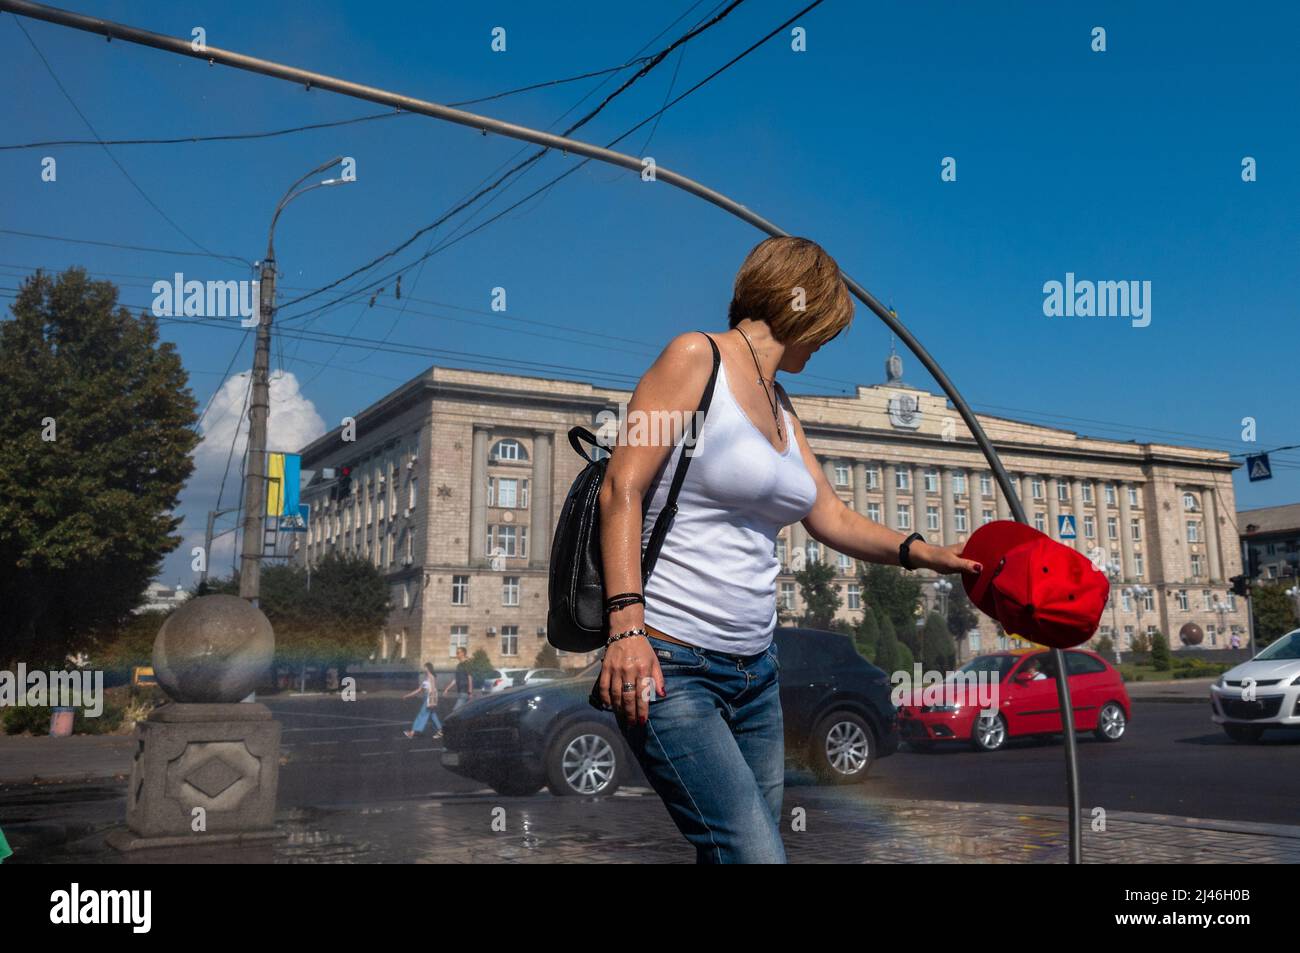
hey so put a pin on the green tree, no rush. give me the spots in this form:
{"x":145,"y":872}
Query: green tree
{"x":1104,"y":646}
{"x":892,"y":592}
{"x":866,"y":634}
{"x":906,"y":660}
{"x":821,"y":600}
{"x":1274,"y":612}
{"x":96,"y":432}
{"x":1160,"y":656}
{"x":1141,"y":643}
{"x":962,"y":616}
{"x":888,"y":649}
{"x":547,"y":657}
{"x":479,"y":666}
{"x":129,"y":643}
{"x":939,"y":651}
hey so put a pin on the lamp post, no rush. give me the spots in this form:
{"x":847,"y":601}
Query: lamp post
{"x":250,"y":554}
{"x":1137,"y":594}
{"x":1113,"y":571}
{"x":1222,"y":609}
{"x":1294,"y":593}
{"x":942,"y":587}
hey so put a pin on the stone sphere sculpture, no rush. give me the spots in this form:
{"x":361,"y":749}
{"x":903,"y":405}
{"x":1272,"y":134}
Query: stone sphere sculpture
{"x":1191,"y":634}
{"x":213,"y":649}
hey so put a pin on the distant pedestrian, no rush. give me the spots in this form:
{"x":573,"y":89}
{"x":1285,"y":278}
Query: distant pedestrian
{"x":1236,"y":641}
{"x":429,"y":709}
{"x":464,"y":683}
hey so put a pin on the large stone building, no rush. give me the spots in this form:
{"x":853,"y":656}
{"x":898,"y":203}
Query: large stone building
{"x":1273,"y":535}
{"x":458,"y":476}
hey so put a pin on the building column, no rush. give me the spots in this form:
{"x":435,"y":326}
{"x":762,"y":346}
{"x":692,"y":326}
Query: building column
{"x":860,"y":487}
{"x":539,"y":500}
{"x":1004,"y":508}
{"x":1027,"y":496}
{"x":918,"y":500}
{"x":1125,"y":533}
{"x":478,"y":497}
{"x":1210,"y":505}
{"x":798,"y":541}
{"x":946,"y":506}
{"x":1076,"y":506}
{"x":1103,"y":514}
{"x":890,"y":480}
{"x":828,"y":468}
{"x":1053,"y":508}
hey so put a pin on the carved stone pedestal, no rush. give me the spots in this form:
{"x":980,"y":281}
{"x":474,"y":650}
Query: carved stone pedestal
{"x":223,"y":758}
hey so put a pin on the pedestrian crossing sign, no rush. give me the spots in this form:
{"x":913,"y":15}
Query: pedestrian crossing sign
{"x":1065,"y":526}
{"x":1257,"y":468}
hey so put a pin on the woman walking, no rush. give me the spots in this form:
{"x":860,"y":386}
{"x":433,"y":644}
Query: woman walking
{"x":690,"y":667}
{"x":429,"y":709}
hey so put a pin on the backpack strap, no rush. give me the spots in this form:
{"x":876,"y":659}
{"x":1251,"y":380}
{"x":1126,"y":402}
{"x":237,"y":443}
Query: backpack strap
{"x":664,"y":520}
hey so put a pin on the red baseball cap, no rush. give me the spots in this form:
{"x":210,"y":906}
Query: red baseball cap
{"x":1036,"y":587}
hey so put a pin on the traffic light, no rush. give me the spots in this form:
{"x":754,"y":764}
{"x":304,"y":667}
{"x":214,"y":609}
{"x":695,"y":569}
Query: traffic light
{"x":1240,"y":585}
{"x":345,"y":481}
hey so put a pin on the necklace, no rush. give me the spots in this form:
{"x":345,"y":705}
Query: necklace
{"x":770,"y":395}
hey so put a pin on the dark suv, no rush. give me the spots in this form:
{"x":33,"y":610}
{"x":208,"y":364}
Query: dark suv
{"x":836,"y":706}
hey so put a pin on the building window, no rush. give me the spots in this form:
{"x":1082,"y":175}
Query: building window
{"x":932,"y":517}
{"x":932,"y":480}
{"x":986,"y":484}
{"x":813,"y":551}
{"x":460,"y":590}
{"x":959,"y":519}
{"x":510,"y":590}
{"x":780,"y":552}
{"x":406,"y":595}
{"x":1040,"y":522}
{"x":902,"y":478}
{"x":508,"y":450}
{"x":787,"y":595}
{"x":1133,"y":496}
{"x":1126,"y":600}
{"x":1189,"y":502}
{"x":845,"y":564}
{"x":959,"y":484}
{"x":1232,"y":603}
{"x":510,"y":493}
{"x":904,"y":516}
{"x":841,"y":474}
{"x":986,"y":516}
{"x":1128,"y":637}
{"x":1182,"y":600}
{"x":510,"y":640}
{"x":402,"y":644}
{"x":1112,"y":527}
{"x":873,"y":477}
{"x":1086,"y":490}
{"x":1207,"y":603}
{"x":1110,"y":494}
{"x":1138,"y":566}
{"x":1062,"y":490}
{"x":1196,"y":565}
{"x":855,"y":596}
{"x":507,"y":540}
{"x":1036,"y":488}
{"x":1193,"y":531}
{"x":1089,"y":527}
{"x":1135,"y":530}
{"x":873,"y":512}
{"x":1148,"y":601}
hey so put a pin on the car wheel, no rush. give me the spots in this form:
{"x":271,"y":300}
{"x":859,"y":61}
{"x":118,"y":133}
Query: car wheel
{"x":515,"y":787}
{"x":1246,"y":734}
{"x":1111,"y":723}
{"x":843,"y":747}
{"x":586,"y":760}
{"x":989,"y":734}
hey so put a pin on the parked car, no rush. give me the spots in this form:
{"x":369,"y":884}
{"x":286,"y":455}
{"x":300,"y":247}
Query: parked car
{"x":1261,"y":693}
{"x":493,"y":680}
{"x":1027,"y":703}
{"x":536,"y":676}
{"x":836,"y":707}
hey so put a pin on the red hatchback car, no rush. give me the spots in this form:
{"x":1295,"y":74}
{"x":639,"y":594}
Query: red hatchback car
{"x":1026,"y":702}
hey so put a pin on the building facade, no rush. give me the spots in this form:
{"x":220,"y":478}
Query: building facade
{"x":458,"y":477}
{"x":1272,"y":534}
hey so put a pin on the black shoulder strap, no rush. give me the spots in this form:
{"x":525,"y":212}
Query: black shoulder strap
{"x":664,"y":520}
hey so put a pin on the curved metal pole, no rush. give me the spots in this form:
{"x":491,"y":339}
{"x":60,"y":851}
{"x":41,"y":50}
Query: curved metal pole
{"x":485,"y":124}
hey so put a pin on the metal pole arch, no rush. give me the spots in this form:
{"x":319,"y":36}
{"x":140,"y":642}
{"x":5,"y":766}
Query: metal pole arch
{"x":112,"y":30}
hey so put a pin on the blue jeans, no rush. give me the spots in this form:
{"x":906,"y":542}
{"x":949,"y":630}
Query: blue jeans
{"x":425,"y":716}
{"x":714,"y":751}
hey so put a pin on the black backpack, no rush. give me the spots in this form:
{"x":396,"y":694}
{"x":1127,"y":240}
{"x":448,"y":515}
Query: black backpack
{"x":575,"y":618}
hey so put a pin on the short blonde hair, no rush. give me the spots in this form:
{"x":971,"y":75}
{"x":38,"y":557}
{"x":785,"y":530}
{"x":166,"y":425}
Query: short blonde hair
{"x":768,"y":288}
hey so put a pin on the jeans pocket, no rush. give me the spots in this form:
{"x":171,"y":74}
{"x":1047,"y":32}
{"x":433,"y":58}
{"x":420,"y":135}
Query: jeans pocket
{"x":675,"y":659}
{"x":772,"y":654}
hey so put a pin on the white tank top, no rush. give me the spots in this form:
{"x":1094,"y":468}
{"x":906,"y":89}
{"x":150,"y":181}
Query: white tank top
{"x":714,"y":585}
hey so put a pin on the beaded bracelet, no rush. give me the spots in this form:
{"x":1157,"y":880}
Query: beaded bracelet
{"x":625,"y":635}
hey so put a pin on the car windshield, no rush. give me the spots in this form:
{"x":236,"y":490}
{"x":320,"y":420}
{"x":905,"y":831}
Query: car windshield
{"x":1286,"y":648}
{"x":1000,"y":664}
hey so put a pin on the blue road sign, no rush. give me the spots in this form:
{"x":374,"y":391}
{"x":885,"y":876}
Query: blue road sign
{"x":1257,"y":468}
{"x":1065,"y":526}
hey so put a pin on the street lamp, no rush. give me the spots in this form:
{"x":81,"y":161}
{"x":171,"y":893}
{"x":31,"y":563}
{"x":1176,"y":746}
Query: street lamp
{"x":1137,"y":594}
{"x":942,"y":587}
{"x":1222,"y":609}
{"x":1113,"y":571}
{"x":1294,"y":593}
{"x":260,"y":403}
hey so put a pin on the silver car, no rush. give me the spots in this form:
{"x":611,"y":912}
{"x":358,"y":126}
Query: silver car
{"x":1262,"y":693}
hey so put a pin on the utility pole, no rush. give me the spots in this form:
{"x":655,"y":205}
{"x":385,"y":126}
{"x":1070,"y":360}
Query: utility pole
{"x":250,"y":560}
{"x":208,"y":538}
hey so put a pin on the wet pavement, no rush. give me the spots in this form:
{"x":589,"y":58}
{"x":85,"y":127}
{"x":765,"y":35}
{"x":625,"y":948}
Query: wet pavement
{"x":68,"y":823}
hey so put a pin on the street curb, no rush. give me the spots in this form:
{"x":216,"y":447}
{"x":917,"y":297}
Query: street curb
{"x":1131,"y":817}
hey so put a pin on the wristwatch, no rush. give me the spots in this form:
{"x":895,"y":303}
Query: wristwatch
{"x":904,"y":550}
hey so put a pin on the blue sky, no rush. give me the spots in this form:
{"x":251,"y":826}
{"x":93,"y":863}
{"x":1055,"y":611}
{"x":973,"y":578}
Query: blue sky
{"x":1122,"y":165}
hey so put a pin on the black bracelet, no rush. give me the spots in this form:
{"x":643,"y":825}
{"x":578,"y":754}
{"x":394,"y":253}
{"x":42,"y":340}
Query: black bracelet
{"x":622,"y":601}
{"x":904,"y":550}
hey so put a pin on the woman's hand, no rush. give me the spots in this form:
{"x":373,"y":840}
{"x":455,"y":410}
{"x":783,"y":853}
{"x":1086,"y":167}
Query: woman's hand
{"x":942,"y":559}
{"x":630,"y":661}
